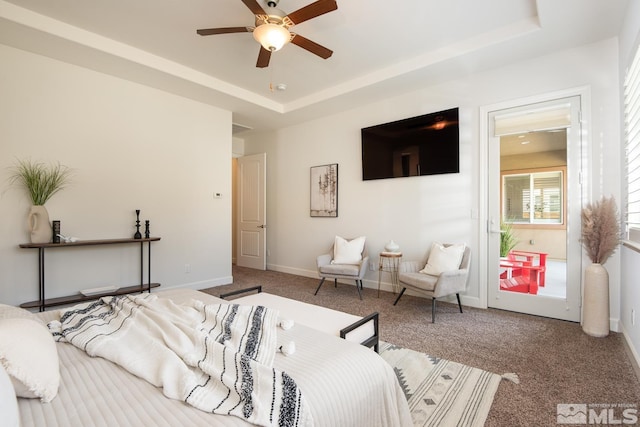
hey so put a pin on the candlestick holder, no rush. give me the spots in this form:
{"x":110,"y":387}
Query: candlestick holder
{"x":146,"y":229}
{"x":138,"y":235}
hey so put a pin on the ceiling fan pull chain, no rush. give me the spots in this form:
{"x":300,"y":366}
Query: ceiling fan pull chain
{"x":271,"y":79}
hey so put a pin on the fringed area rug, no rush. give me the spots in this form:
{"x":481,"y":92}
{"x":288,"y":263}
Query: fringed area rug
{"x":442,"y":393}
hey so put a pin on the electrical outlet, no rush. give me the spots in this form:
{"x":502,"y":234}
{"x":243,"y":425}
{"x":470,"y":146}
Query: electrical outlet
{"x":633,"y":317}
{"x":187,"y":268}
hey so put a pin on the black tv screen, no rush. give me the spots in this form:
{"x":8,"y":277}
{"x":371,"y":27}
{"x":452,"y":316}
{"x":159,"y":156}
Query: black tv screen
{"x":423,"y":145}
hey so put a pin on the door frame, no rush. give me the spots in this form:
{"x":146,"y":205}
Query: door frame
{"x":584,"y":93}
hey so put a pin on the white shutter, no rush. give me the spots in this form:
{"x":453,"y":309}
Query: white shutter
{"x":548,"y":190}
{"x":556,"y":117}
{"x":632,"y":145}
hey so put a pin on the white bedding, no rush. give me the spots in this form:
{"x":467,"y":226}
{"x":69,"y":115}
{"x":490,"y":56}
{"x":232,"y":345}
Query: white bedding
{"x":215,"y":357}
{"x":345,"y":384}
{"x":319,"y":318}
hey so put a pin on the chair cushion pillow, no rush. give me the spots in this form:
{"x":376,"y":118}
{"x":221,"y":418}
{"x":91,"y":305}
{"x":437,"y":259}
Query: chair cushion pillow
{"x":348,"y":251}
{"x":28,"y":353}
{"x":423,"y":282}
{"x":443,"y":258}
{"x":340,"y":270}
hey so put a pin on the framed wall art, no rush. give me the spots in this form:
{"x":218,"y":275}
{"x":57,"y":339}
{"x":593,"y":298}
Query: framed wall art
{"x":324,"y":191}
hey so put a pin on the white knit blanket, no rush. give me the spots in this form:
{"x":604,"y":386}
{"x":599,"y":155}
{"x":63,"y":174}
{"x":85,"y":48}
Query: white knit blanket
{"x":217,"y":357}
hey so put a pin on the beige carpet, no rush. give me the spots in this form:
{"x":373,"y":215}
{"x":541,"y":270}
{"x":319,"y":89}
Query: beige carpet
{"x":555,"y":361}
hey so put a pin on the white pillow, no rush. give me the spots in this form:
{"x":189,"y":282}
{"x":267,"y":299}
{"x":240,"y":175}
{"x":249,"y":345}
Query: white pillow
{"x":11,"y":311}
{"x":28,"y":353}
{"x":8,"y":401}
{"x":348,"y":251}
{"x":443,"y":258}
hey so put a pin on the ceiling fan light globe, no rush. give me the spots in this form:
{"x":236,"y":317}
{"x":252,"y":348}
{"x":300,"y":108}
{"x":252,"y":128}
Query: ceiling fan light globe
{"x":271,"y":36}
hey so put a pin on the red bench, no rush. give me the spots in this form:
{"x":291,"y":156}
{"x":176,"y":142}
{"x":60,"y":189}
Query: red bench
{"x":524,"y":271}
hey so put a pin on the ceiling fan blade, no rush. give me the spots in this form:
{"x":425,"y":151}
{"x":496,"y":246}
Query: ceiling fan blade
{"x":228,"y":30}
{"x":312,"y":47}
{"x":312,"y":10}
{"x":264,"y":56}
{"x":254,"y":7}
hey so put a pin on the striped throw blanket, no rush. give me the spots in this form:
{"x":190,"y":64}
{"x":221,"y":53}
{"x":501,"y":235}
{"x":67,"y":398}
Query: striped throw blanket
{"x":217,"y":357}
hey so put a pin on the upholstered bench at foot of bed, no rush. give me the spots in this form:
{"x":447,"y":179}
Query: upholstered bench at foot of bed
{"x":363,"y":330}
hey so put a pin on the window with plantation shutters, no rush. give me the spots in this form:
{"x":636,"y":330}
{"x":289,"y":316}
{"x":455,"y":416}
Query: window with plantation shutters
{"x":632,"y":148}
{"x":533,"y":198}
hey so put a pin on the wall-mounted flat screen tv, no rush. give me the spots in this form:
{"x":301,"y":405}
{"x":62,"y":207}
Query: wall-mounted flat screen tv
{"x":423,"y":145}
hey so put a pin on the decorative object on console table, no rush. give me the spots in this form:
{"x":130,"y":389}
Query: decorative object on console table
{"x":39,"y":226}
{"x":146,"y":229}
{"x":600,"y":238}
{"x":137,"y":235}
{"x":41,"y":182}
{"x":324,"y":191}
{"x":56,"y":232}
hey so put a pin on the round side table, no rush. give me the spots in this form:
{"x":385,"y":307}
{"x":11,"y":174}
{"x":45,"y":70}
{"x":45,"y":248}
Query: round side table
{"x":389,"y":262}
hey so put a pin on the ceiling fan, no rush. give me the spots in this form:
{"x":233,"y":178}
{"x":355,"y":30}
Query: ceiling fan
{"x":272,"y":28}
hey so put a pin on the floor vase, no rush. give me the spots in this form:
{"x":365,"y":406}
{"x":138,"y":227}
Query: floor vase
{"x":39,"y":225}
{"x":595,"y":305}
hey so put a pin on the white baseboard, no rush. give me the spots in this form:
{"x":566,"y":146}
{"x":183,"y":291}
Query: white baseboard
{"x":204,"y":284}
{"x":367,"y":283}
{"x":291,"y":270}
{"x":614,"y":325}
{"x":633,"y":352}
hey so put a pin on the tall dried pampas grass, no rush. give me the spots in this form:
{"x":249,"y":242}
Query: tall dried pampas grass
{"x":600,"y":229}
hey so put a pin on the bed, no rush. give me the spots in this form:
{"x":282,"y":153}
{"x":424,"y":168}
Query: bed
{"x":344,"y":384}
{"x":363,"y":330}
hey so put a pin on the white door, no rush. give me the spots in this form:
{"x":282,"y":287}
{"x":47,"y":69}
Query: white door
{"x":252,"y":244}
{"x":540,"y":199}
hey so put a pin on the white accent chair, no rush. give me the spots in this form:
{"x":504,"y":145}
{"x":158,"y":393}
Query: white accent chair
{"x":447,"y":283}
{"x":326,"y":269}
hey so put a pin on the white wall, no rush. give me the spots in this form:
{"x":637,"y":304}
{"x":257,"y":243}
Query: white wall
{"x":416,"y":211}
{"x":131,"y":147}
{"x":629,"y":290}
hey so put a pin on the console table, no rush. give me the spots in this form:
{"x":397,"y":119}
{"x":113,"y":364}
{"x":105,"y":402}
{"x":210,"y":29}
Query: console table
{"x":43,"y":303}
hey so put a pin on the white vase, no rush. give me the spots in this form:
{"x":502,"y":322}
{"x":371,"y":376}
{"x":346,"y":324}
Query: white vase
{"x":595,"y":306}
{"x":391,"y":246}
{"x":39,"y":224}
